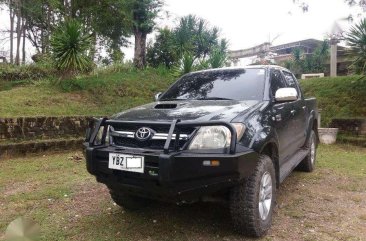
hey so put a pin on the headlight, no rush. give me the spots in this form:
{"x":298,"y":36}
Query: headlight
{"x":215,"y":137}
{"x":99,"y":138}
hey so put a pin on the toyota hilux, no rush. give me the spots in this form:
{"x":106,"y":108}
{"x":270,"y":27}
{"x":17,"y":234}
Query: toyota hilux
{"x":233,"y":133}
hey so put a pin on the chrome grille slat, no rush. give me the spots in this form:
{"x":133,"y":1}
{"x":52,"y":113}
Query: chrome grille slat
{"x":156,"y":136}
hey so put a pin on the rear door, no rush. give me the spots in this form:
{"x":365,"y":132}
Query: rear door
{"x":298,"y":112}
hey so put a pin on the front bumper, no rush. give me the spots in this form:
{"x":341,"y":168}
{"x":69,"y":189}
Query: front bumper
{"x":176,"y":176}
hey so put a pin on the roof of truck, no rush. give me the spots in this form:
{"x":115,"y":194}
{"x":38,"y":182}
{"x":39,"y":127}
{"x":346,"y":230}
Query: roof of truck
{"x":244,"y":67}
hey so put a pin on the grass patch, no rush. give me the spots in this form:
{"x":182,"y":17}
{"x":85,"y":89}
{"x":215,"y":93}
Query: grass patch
{"x":345,"y":159}
{"x":340,"y":97}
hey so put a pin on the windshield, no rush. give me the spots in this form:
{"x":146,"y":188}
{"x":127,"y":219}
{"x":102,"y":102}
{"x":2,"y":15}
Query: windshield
{"x":236,"y":84}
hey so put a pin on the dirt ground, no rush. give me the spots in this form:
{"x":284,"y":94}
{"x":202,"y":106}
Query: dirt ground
{"x":56,"y":192}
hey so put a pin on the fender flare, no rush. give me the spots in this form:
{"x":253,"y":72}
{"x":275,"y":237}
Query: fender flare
{"x":310,"y":125}
{"x":263,"y":137}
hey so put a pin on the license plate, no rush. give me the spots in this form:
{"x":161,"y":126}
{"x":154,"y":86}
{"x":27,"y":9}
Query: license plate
{"x":124,"y":162}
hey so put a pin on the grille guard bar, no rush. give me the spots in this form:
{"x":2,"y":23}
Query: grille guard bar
{"x":173,"y":125}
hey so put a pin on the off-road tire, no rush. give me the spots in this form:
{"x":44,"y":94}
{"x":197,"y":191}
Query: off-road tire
{"x":244,"y":201}
{"x":128,"y":202}
{"x":308,"y":165}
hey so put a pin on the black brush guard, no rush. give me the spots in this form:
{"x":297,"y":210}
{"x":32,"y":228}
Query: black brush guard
{"x":180,"y":173}
{"x":175,"y":124}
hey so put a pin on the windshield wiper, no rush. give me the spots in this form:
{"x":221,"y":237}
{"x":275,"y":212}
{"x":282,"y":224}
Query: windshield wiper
{"x":214,"y":98}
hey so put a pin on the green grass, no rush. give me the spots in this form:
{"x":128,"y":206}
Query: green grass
{"x":100,"y":94}
{"x":56,"y":192}
{"x":347,"y":160}
{"x":341,"y":97}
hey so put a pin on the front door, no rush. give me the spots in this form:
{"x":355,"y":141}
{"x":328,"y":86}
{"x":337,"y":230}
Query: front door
{"x":283,"y":118}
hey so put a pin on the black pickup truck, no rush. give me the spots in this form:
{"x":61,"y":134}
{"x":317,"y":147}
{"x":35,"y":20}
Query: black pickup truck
{"x":233,"y":133}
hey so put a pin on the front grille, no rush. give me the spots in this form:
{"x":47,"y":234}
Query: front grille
{"x":150,"y":144}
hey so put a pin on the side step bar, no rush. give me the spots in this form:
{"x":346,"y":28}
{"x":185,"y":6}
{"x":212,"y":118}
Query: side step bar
{"x":290,"y":165}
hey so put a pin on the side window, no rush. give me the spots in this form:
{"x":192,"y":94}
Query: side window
{"x":291,"y":81}
{"x":277,"y":81}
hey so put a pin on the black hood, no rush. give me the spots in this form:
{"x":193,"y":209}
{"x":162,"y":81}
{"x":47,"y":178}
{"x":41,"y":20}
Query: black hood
{"x":198,"y":110}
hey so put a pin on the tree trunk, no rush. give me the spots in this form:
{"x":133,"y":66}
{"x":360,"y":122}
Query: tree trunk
{"x":11,"y":13}
{"x":23,"y":27}
{"x":140,"y":50}
{"x":19,"y":33}
{"x":93,"y":49}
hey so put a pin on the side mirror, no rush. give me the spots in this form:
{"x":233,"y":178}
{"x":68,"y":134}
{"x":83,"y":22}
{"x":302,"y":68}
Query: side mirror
{"x":286,"y":94}
{"x":157,"y":96}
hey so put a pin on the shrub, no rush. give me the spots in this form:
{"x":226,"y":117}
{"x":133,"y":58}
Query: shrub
{"x":70,"y":46}
{"x":356,"y":39}
{"x":26,"y":72}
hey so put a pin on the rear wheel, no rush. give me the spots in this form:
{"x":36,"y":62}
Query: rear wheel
{"x":129,"y":202}
{"x":252,"y":202}
{"x":308,"y":164}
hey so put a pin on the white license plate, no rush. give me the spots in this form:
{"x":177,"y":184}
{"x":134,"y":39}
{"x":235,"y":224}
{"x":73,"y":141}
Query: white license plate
{"x":126,"y":162}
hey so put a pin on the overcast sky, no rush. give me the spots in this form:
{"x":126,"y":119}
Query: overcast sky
{"x":246,"y":23}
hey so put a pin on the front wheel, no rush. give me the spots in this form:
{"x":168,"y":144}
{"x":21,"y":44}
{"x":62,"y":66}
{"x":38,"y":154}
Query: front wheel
{"x":252,"y":202}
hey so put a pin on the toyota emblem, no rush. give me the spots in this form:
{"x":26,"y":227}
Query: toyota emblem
{"x":143,"y":134}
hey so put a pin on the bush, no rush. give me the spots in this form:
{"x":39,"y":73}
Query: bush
{"x":26,"y":72}
{"x":70,"y":44}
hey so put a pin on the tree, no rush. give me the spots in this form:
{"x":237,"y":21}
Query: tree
{"x":144,"y":13}
{"x":356,"y":39}
{"x":315,"y":63}
{"x":108,"y":21}
{"x":12,"y":17}
{"x":192,"y":45}
{"x":163,"y":51}
{"x":308,"y":63}
{"x":70,"y":46}
{"x":218,"y":57}
{"x":16,"y":26}
{"x":193,"y":34}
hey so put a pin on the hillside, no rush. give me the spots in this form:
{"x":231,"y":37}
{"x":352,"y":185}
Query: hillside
{"x":108,"y":93}
{"x":102,"y":94}
{"x":341,"y":97}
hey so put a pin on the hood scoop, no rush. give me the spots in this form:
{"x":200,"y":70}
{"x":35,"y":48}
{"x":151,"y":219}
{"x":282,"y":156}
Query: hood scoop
{"x":166,"y":106}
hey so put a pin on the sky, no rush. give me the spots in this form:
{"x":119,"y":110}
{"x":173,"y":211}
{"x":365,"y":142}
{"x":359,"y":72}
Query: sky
{"x":246,"y":23}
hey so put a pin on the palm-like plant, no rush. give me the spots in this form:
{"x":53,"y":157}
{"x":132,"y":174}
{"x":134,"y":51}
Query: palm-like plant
{"x":70,"y":46}
{"x":356,"y":39}
{"x":187,"y":64}
{"x":217,"y":59}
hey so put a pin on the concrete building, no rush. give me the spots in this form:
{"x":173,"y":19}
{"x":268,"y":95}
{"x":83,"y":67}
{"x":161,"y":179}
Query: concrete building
{"x":280,"y":53}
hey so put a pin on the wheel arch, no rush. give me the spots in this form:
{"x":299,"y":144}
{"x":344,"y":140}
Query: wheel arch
{"x":312,"y":125}
{"x":265,"y":141}
{"x":270,"y":149}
